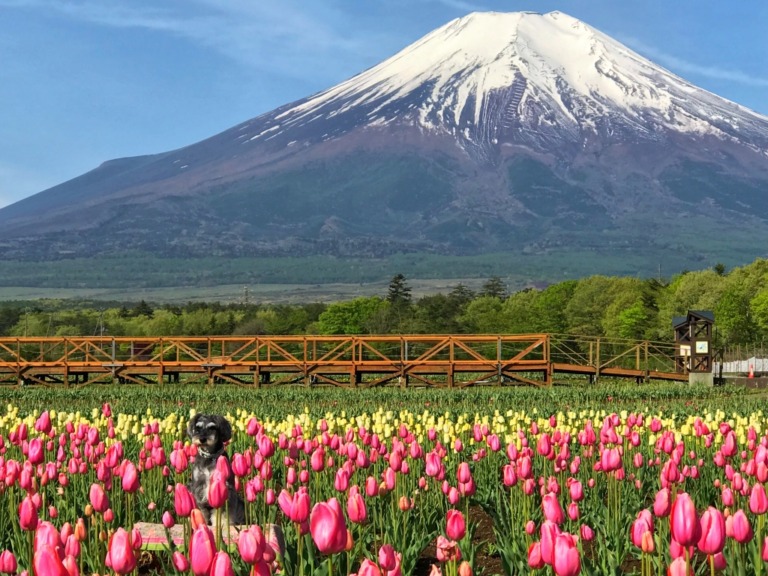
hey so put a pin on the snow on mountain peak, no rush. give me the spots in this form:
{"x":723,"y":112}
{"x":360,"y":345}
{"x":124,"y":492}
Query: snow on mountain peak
{"x":523,"y":70}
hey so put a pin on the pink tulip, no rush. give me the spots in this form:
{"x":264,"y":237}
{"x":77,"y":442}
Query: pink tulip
{"x":183,"y":501}
{"x":576,"y":490}
{"x":678,"y":567}
{"x":47,"y":534}
{"x":251,"y":545}
{"x":566,"y":561}
{"x":130,"y":480}
{"x":99,"y":499}
{"x":47,"y":561}
{"x":356,"y":509}
{"x":455,"y":525}
{"x":202,"y":548}
{"x":28,"y":518}
{"x":121,"y":554}
{"x":549,"y":534}
{"x":328,"y":528}
{"x":758,"y":501}
{"x":387,"y":558}
{"x":712,"y":538}
{"x":7,"y":562}
{"x":217,"y":489}
{"x":35,"y":452}
{"x":446,"y":550}
{"x":240,"y":465}
{"x":643,"y":523}
{"x":764,"y":552}
{"x":535,"y":560}
{"x":222,"y":565}
{"x":552,"y":509}
{"x":368,"y":568}
{"x":661,"y":505}
{"x":180,"y":561}
{"x":683,"y":521}
{"x":742,"y":529}
{"x":463,"y":473}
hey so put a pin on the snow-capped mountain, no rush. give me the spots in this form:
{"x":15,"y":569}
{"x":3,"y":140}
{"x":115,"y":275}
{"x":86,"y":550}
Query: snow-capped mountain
{"x":519,"y":78}
{"x":498,"y":132}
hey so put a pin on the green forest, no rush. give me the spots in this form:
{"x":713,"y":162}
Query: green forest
{"x":608,"y":306}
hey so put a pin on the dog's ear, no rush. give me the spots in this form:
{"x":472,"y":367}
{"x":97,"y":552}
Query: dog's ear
{"x":191,"y":424}
{"x":225,"y":428}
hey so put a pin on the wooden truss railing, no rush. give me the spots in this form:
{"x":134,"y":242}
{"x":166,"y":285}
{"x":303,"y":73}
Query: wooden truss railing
{"x":431,"y":360}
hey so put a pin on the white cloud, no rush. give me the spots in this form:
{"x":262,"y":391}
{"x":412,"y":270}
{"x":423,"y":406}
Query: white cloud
{"x":290,"y":37}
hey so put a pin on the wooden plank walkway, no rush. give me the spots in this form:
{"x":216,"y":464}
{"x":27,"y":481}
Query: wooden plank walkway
{"x":348,"y":361}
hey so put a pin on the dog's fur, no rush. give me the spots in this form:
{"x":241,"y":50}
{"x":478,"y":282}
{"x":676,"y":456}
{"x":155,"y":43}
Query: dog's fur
{"x":210,"y":433}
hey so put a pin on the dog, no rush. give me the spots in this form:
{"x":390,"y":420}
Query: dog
{"x":210,"y":433}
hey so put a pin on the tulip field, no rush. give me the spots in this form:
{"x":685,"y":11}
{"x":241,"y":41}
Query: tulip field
{"x":648,"y":479}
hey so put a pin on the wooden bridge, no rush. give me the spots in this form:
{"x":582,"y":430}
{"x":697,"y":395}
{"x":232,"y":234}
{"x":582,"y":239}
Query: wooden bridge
{"x":413,"y":360}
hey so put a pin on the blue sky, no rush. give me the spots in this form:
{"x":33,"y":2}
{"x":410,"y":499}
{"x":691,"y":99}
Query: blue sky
{"x":84,"y":81}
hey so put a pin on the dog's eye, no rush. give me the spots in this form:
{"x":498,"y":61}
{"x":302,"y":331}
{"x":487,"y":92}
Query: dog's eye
{"x":199,"y":425}
{"x":211,"y":425}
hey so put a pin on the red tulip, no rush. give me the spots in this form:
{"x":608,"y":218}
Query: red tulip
{"x":202,"y":548}
{"x":455,"y":525}
{"x":327,"y":526}
{"x":566,"y":561}
{"x":683,"y":521}
{"x":121,"y":554}
{"x":712,"y":538}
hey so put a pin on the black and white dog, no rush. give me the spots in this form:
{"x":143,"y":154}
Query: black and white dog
{"x":210,"y":433}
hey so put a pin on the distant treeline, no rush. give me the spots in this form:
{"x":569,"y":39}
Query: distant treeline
{"x":613,"y":307}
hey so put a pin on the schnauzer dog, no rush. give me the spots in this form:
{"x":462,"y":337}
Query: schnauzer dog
{"x":210,"y":433}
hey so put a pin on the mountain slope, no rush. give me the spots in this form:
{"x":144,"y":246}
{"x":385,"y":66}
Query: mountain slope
{"x":516,"y":132}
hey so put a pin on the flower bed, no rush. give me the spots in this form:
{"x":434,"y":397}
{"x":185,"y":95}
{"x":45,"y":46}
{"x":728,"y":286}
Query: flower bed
{"x":575,"y":489}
